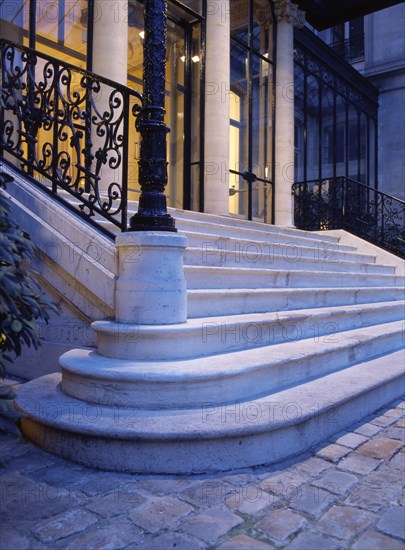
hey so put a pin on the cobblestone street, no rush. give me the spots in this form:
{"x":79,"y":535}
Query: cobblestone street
{"x":345,"y":493}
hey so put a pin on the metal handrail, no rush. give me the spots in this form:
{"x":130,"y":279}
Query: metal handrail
{"x":68,"y":129}
{"x":344,"y":203}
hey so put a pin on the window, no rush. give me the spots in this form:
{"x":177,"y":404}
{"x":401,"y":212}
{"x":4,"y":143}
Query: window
{"x":251,"y":129}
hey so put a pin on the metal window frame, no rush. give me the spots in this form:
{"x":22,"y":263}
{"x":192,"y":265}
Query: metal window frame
{"x":331,"y":72}
{"x":251,"y":52}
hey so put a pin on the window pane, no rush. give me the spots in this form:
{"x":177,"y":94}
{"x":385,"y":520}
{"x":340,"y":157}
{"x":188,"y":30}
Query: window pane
{"x":328,"y":143}
{"x":239,"y":106}
{"x":14,"y":17}
{"x":239,"y":15}
{"x":135,"y":42}
{"x":340,"y":136}
{"x":363,"y":149}
{"x":75,"y":24}
{"x":47,"y":17}
{"x":261,"y":118}
{"x":62,"y":30}
{"x":312,"y":129}
{"x":299,"y":109}
{"x":261,"y":198}
{"x":371,"y":137}
{"x":353,"y":142}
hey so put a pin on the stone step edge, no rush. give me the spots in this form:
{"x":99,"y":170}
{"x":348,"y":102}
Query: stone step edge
{"x":304,"y":237}
{"x":262,"y":237}
{"x":225,"y":378}
{"x":277,"y":317}
{"x":311,"y":246}
{"x":249,"y":270}
{"x":228,"y":221}
{"x":217,"y":335}
{"x":206,"y":292}
{"x":250,"y":227}
{"x":236,"y":362}
{"x":244,"y":259}
{"x":146,"y":424}
{"x":333,"y":239}
{"x":232,"y":270}
{"x":205,"y":302}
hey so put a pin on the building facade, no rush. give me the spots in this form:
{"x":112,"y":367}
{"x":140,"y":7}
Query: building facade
{"x":374,"y":45}
{"x":249,"y":113}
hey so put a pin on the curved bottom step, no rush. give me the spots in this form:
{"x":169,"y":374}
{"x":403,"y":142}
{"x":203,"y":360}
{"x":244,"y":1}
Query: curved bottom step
{"x":214,"y":438}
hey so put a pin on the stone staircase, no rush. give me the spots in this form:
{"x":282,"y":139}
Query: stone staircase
{"x":290,"y":337}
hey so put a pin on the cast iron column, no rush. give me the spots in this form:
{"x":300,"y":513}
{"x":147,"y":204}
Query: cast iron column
{"x":152,"y":212}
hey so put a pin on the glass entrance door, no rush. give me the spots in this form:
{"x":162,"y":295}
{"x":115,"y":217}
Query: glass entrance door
{"x":63,"y":30}
{"x":183,"y":73}
{"x":251,"y":111}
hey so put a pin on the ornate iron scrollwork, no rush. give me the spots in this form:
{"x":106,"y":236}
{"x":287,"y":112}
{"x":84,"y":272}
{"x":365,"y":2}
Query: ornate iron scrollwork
{"x":343,"y":203}
{"x":69,"y":128}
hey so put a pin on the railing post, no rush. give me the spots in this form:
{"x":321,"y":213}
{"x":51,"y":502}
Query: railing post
{"x":31,"y":115}
{"x":152,"y":211}
{"x":2,"y":110}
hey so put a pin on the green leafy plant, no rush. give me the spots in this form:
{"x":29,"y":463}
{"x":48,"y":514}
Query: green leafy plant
{"x":22,"y":302}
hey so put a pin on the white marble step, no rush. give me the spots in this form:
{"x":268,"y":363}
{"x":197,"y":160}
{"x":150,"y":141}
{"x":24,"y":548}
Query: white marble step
{"x":214,"y":437}
{"x":203,"y":277}
{"x":222,"y":246}
{"x":212,"y":301}
{"x":223,"y":334}
{"x":187,"y":218}
{"x":266,"y":260}
{"x":260,"y":233}
{"x":199,"y":232}
{"x":282,"y":236}
{"x":232,"y":241}
{"x":287,"y":242}
{"x":243,"y":384}
{"x":235,"y":376}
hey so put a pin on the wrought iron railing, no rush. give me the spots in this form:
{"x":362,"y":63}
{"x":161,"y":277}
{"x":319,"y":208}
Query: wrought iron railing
{"x":351,"y":49}
{"x":343,"y":203}
{"x":69,"y":129}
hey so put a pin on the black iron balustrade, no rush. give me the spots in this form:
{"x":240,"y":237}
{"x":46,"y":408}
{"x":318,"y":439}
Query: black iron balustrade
{"x":69,"y":129}
{"x":72,"y":128}
{"x":351,"y":49}
{"x":343,"y":203}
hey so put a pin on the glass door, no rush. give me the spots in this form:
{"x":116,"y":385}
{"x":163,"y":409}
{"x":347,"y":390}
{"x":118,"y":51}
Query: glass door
{"x":251,"y":112}
{"x":183,"y":73}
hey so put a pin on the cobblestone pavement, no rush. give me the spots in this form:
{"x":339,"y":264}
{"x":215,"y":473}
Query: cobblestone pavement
{"x":345,"y":493}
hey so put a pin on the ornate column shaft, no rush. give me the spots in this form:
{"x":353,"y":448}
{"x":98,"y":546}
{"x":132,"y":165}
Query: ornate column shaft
{"x":152,"y":212}
{"x":109,"y":59}
{"x":288,"y":15}
{"x":110,"y":40}
{"x":217,"y":92}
